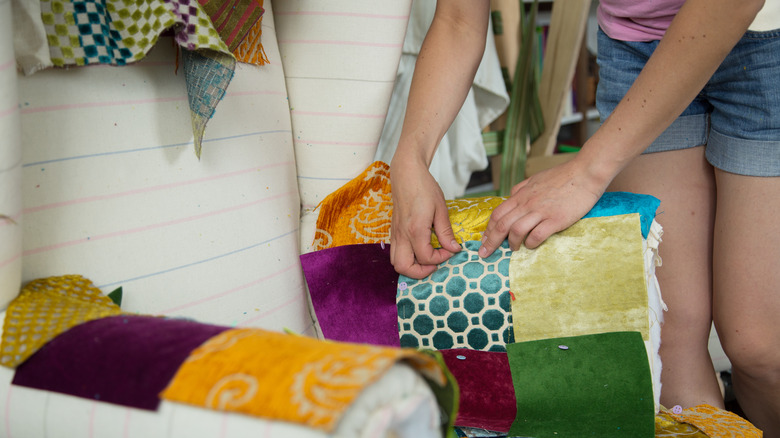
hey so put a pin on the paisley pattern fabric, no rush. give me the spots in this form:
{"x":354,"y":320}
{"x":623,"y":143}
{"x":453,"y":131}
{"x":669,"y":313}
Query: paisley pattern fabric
{"x":714,"y":422}
{"x":466,"y":303}
{"x":44,"y":309}
{"x":287,"y":377}
{"x":358,"y":212}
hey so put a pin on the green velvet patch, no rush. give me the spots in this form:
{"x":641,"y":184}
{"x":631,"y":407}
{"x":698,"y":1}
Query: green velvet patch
{"x":590,"y":385}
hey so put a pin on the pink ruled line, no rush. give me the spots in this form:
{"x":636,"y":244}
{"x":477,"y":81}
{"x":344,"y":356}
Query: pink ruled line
{"x":129,"y":102}
{"x":150,"y":189}
{"x":271,"y":311}
{"x":345,"y":14}
{"x":342,"y":43}
{"x":152,"y":226}
{"x":330,"y":114}
{"x":230,"y":291}
{"x":8,"y":412}
{"x":8,"y":111}
{"x":7,"y":65}
{"x":14,"y":258}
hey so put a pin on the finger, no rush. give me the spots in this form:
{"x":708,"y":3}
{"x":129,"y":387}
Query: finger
{"x":516,"y":188}
{"x":443,"y":229}
{"x":520,"y":228}
{"x":402,"y":258}
{"x":542,"y":231}
{"x":498,"y":229}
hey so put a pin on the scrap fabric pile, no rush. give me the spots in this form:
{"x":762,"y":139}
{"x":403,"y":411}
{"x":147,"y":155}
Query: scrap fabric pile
{"x":555,"y":341}
{"x":61,"y":334}
{"x":212,"y":34}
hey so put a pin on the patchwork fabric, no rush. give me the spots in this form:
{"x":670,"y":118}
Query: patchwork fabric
{"x":358,"y":212}
{"x":716,"y":423}
{"x":596,"y":383}
{"x":295,"y":378}
{"x":44,"y":309}
{"x":465,"y":303}
{"x":469,"y":217}
{"x":233,"y":19}
{"x":487,"y":397}
{"x":208,"y":75}
{"x":125,"y":360}
{"x":114,"y":32}
{"x":587,"y":279}
{"x":352,"y":292}
{"x":250,"y":50}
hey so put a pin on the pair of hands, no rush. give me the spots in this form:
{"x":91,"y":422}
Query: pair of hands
{"x":538,"y":207}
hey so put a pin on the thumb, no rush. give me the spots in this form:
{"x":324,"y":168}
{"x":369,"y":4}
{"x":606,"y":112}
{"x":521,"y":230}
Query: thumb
{"x":443,"y":229}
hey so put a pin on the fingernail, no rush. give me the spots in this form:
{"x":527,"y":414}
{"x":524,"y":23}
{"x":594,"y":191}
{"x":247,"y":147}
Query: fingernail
{"x":483,"y":252}
{"x":455,"y":243}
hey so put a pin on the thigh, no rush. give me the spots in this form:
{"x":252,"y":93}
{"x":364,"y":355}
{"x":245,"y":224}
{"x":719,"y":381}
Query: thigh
{"x":746,"y":264}
{"x":684,"y":182}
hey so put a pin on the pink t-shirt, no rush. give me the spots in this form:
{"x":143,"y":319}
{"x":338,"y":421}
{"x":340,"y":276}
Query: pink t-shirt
{"x":637,"y":20}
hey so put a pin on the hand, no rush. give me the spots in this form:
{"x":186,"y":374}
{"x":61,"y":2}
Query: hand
{"x":418,"y":203}
{"x":542,"y":205}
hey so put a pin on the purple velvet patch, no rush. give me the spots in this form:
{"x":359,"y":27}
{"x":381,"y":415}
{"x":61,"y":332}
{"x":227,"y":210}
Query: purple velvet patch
{"x":352,"y":290}
{"x":487,"y":395}
{"x":125,"y":359}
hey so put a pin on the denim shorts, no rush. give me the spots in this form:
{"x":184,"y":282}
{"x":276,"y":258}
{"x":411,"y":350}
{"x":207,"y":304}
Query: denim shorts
{"x":736,"y":115}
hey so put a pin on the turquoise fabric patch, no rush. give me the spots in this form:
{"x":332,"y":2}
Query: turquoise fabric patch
{"x":465,"y":303}
{"x":617,"y":203}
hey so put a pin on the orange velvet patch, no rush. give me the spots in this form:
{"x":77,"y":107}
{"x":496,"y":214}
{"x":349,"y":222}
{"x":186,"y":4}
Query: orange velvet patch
{"x":286,"y":377}
{"x":358,"y":212}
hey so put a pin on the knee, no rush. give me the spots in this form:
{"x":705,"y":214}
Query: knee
{"x":755,"y":357}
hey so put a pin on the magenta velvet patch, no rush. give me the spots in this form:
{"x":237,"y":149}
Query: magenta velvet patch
{"x":125,"y":359}
{"x":352,"y":290}
{"x":487,"y":395}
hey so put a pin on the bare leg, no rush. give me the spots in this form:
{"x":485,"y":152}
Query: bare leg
{"x":747,"y":292}
{"x":684,"y":182}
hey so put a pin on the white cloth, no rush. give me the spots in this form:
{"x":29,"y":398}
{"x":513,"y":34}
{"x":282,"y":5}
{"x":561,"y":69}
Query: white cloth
{"x":461,"y":151}
{"x":30,"y":43}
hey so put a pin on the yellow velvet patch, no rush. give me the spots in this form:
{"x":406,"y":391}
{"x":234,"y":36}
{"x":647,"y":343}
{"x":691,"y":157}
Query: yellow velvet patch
{"x":47,"y":307}
{"x":716,"y":423}
{"x":250,"y":50}
{"x":469,"y":217}
{"x":286,"y":377}
{"x":358,"y":212}
{"x":586,"y":279}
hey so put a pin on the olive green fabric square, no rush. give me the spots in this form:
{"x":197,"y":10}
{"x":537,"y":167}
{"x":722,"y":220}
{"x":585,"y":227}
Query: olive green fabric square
{"x":589,"y":278}
{"x":584,"y":386}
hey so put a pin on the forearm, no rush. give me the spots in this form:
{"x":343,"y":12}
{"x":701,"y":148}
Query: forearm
{"x":700,"y":37}
{"x":444,"y":72}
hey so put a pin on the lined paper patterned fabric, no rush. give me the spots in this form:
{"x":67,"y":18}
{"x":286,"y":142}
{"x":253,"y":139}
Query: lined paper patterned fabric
{"x":10,"y":165}
{"x":112,"y":191}
{"x":340,"y":59}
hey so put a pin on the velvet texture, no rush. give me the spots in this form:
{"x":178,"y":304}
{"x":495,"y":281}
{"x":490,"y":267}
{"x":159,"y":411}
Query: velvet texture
{"x":599,"y":384}
{"x":487,"y":397}
{"x":617,"y":203}
{"x":126,"y":359}
{"x":352,"y":290}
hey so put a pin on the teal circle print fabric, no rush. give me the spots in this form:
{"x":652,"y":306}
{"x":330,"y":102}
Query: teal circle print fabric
{"x":466,"y":303}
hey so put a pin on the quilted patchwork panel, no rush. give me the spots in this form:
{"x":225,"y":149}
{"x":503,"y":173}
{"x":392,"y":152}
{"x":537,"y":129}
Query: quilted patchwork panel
{"x":466,"y":303}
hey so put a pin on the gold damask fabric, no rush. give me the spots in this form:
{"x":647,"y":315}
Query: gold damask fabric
{"x":587,"y":279}
{"x":713,"y":423}
{"x":361,"y":212}
{"x":47,"y":307}
{"x":287,"y":377}
{"x":358,"y":212}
